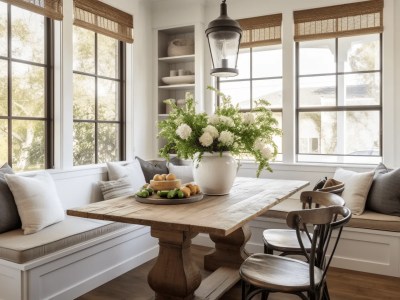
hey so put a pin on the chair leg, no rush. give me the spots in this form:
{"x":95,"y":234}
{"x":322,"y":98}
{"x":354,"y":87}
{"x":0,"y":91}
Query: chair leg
{"x":243,"y":290}
{"x":268,"y":250}
{"x":325,"y":292}
{"x":264,"y":295}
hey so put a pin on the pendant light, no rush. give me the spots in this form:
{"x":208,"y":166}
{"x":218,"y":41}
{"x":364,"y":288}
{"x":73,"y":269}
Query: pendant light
{"x":224,"y":36}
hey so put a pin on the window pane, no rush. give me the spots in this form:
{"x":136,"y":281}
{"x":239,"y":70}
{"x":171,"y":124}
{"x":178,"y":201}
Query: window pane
{"x":3,"y":29}
{"x":343,"y":133}
{"x":3,"y":141}
{"x":239,"y":91}
{"x":270,"y":90}
{"x":84,"y":144}
{"x":359,"y":53}
{"x":108,"y":142}
{"x":267,"y":62}
{"x":108,"y":107}
{"x":317,"y":91}
{"x":359,"y":89}
{"x":28,"y":86}
{"x":3,"y":88}
{"x":28,"y":145}
{"x":107,"y":53}
{"x":83,"y":50}
{"x":243,"y":65}
{"x":27,"y":32}
{"x":84,"y":97}
{"x":317,"y":57}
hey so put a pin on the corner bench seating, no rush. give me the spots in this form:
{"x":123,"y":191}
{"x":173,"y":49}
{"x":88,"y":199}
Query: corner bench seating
{"x":370,"y":242}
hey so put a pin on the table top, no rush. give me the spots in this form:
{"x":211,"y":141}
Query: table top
{"x":221,"y":215}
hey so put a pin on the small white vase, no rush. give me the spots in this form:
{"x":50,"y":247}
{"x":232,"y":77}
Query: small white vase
{"x":215,"y":173}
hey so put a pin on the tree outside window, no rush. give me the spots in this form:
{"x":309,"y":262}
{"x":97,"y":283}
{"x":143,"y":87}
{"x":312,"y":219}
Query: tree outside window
{"x":25,"y":89}
{"x":97,"y":98}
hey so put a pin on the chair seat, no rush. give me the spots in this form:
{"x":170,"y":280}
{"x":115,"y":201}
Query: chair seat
{"x":277,"y":273}
{"x":285,"y":240}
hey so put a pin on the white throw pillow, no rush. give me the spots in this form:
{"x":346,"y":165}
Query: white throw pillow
{"x":184,"y":173}
{"x":356,"y":188}
{"x":37,"y":201}
{"x":132,"y":170}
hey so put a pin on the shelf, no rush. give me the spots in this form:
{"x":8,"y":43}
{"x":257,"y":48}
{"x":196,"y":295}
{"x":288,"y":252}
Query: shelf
{"x":177,"y":59}
{"x":177,"y":86}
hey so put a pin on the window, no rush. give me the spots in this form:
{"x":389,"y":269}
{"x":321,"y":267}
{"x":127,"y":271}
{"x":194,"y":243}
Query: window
{"x":99,"y":38}
{"x":260,"y":68}
{"x":339,"y":83}
{"x":98,"y":97}
{"x":26,"y":83}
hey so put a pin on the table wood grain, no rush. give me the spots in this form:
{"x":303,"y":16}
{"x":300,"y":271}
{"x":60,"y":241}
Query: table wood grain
{"x":220,"y":215}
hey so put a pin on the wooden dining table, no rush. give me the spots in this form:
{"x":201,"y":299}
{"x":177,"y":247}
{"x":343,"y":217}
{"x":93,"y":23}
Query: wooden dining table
{"x":225,"y":218}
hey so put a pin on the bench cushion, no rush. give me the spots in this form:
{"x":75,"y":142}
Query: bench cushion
{"x":367,"y":220}
{"x":20,"y":248}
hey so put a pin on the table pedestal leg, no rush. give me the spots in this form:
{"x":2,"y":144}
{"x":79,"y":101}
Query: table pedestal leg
{"x":174,"y":275}
{"x":229,"y":250}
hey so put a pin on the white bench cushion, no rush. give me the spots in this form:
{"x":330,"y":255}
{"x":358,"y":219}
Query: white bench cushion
{"x":20,"y":248}
{"x":367,"y":220}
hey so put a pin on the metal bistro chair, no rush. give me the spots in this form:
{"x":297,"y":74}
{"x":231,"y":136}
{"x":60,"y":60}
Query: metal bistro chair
{"x":285,"y":240}
{"x":265,"y":273}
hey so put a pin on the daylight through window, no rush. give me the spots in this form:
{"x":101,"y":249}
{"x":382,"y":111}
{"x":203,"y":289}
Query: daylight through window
{"x":26,"y":83}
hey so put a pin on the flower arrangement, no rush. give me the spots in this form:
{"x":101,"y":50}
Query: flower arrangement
{"x":188,"y":133}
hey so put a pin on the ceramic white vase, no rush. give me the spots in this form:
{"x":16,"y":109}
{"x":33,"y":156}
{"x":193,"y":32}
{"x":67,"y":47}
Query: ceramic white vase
{"x":215,"y":173}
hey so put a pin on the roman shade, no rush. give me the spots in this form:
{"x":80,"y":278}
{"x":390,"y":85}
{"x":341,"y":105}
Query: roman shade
{"x":339,"y":20}
{"x":48,"y":8}
{"x":261,"y":31}
{"x":105,"y":19}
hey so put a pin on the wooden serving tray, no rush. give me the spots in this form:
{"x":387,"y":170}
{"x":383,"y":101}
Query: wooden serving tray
{"x":165,"y":201}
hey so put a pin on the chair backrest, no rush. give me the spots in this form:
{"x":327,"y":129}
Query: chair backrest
{"x":314,"y":199}
{"x":324,"y":220}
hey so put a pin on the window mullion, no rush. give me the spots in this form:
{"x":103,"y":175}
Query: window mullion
{"x":9,"y":85}
{"x":96,"y":155}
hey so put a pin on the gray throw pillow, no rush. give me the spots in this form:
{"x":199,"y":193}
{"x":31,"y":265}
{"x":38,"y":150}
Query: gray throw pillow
{"x":9,"y":217}
{"x":116,"y":188}
{"x":153,"y":167}
{"x":384,"y":195}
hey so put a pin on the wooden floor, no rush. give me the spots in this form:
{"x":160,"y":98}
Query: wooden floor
{"x":343,"y":285}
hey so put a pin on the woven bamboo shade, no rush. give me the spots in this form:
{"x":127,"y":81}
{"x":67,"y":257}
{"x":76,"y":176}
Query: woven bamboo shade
{"x":339,"y":20}
{"x":261,"y":31}
{"x":48,"y":8}
{"x":105,"y":19}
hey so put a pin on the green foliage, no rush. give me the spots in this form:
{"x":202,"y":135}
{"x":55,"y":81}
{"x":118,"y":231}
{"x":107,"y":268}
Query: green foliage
{"x":188,"y":133}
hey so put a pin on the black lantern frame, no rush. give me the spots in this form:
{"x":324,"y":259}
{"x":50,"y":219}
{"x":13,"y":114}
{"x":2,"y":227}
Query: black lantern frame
{"x":224,"y":35}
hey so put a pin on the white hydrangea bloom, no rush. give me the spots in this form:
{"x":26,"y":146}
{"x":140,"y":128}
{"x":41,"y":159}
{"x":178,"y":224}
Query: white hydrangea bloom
{"x":212,"y":131}
{"x":226,"y":138}
{"x":259,"y":144}
{"x":184,"y":131}
{"x":266,"y":152}
{"x":248,"y":118}
{"x":227,"y":121}
{"x":206,"y":139}
{"x":213,"y":120}
{"x":188,"y":95}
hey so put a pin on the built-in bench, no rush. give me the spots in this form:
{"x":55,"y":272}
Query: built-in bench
{"x":69,"y":258}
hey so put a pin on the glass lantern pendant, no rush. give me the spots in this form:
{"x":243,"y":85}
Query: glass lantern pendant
{"x":224,"y":36}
